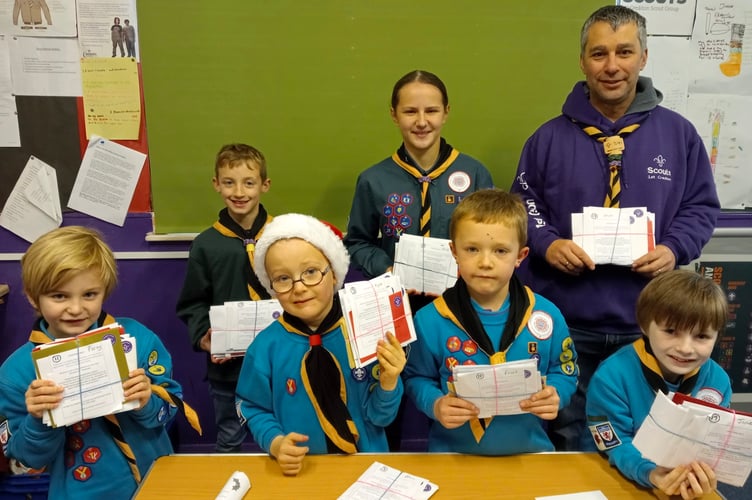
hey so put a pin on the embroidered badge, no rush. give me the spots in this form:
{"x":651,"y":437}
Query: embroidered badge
{"x":152,"y":358}
{"x":469,"y":347}
{"x":292,"y":387}
{"x":459,"y":182}
{"x":710,"y":395}
{"x":407,"y":198}
{"x":568,"y":368}
{"x":75,"y":443}
{"x":540,"y":325}
{"x":451,"y":362}
{"x":532,"y":347}
{"x":82,"y":473}
{"x":91,"y":455}
{"x":469,"y":362}
{"x":453,"y":343}
{"x":604,"y":436}
{"x":393,"y":199}
{"x":162,"y":415}
{"x":449,"y":199}
{"x":157,"y":370}
{"x":376,"y":371}
{"x":4,"y":431}
{"x":70,"y":459}
{"x":359,"y":374}
{"x":82,"y":426}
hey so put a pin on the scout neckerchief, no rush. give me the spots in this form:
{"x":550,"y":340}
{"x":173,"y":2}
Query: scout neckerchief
{"x":111,"y":421}
{"x":228,"y":227}
{"x":455,"y":305}
{"x":613,"y":147}
{"x":652,"y":370}
{"x":324,"y":382}
{"x":447,"y":155}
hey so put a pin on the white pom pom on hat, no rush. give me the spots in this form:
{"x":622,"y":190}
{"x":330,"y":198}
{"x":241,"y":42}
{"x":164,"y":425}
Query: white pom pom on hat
{"x":304,"y":227}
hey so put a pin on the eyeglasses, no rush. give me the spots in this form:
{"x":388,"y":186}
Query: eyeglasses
{"x":309,"y":277}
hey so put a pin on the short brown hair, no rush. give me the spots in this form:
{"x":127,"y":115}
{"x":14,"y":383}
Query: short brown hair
{"x":490,"y":206}
{"x":682,"y":299}
{"x":234,"y":155}
{"x":61,"y":254}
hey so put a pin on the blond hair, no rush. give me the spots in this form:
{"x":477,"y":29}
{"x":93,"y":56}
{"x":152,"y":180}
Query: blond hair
{"x":491,"y":206}
{"x":684,"y":300}
{"x":58,"y":256}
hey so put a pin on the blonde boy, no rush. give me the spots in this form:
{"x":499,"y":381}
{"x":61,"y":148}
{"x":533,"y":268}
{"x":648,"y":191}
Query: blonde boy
{"x":67,"y":275}
{"x":489,"y":317}
{"x":220,"y":269}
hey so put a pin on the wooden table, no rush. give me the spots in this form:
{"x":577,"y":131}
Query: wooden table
{"x":458,"y":476}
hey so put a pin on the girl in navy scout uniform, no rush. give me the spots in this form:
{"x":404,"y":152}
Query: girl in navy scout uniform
{"x":489,"y":317}
{"x":681,"y":314}
{"x":416,"y":189}
{"x":297,"y":392}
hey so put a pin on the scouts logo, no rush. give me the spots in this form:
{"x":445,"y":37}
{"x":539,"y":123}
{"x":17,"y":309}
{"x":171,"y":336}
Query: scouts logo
{"x":127,"y":346}
{"x":459,"y":182}
{"x":453,"y":344}
{"x":469,"y":347}
{"x":540,"y":325}
{"x":82,"y":473}
{"x":604,"y":436}
{"x":92,"y":454}
{"x":359,"y":374}
{"x":292,"y":387}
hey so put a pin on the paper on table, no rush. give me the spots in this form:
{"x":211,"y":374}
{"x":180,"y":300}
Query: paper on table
{"x":106,"y":180}
{"x":673,"y":435}
{"x":380,"y":481}
{"x":424,"y":264}
{"x":585,"y":495}
{"x":33,"y":207}
{"x":497,"y":389}
{"x":235,"y":324}
{"x":371,"y":309}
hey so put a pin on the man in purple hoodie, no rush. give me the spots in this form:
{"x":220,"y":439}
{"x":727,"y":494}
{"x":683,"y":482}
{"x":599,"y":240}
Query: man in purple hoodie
{"x":612,"y":142}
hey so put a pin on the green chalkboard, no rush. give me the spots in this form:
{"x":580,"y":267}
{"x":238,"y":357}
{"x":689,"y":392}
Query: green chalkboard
{"x":308,"y":83}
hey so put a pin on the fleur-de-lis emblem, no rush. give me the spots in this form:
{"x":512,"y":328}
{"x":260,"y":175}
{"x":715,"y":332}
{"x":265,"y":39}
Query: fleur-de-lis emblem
{"x":660,"y":160}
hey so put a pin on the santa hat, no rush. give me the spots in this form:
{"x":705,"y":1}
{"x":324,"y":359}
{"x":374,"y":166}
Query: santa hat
{"x":307,"y":228}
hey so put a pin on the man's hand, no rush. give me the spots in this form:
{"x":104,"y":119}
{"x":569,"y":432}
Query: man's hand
{"x":657,"y":261}
{"x":568,"y":257}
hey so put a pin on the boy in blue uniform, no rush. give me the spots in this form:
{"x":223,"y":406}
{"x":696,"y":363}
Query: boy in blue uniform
{"x":67,"y":274}
{"x":489,"y":317}
{"x":681,"y":314}
{"x":220,"y":269}
{"x":296,"y":391}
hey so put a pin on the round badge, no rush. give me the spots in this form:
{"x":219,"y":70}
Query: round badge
{"x":540,"y":325}
{"x":459,"y":182}
{"x":157,"y":369}
{"x":710,"y":395}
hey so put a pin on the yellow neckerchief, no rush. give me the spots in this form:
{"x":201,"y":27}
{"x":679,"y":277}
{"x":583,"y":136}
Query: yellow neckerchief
{"x":653,"y":373}
{"x":250,"y":248}
{"x":478,"y":426}
{"x":425,"y":180}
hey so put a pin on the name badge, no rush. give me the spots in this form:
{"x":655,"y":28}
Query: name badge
{"x":613,"y":145}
